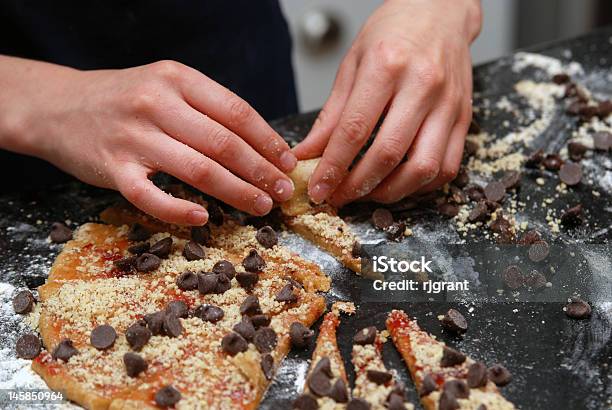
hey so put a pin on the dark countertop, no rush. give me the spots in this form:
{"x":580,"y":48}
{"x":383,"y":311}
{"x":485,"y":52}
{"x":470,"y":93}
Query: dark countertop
{"x":556,"y":362}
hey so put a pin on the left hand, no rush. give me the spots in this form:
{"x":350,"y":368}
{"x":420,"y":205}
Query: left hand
{"x":411,"y":61}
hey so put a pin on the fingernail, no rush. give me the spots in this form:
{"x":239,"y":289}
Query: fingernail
{"x":288,"y":161}
{"x":427,"y":180}
{"x":319,"y":192}
{"x":197,"y":217}
{"x":263,"y":204}
{"x":283,"y":188}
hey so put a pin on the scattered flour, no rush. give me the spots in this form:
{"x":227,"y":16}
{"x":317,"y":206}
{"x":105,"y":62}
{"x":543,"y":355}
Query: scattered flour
{"x":550,"y":65}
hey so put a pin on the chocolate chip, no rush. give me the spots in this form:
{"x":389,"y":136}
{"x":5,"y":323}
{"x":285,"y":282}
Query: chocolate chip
{"x":155,"y":322}
{"x":495,"y":191}
{"x":162,"y":248}
{"x":499,"y":375}
{"x":572,"y":217}
{"x":511,"y":179}
{"x":223,"y":284}
{"x":395,"y":402}
{"x":395,"y":232}
{"x":604,"y":108}
{"x":299,"y":334}
{"x":365,"y":336}
{"x":382,"y":218}
{"x":560,"y":78}
{"x":201,"y":234}
{"x":286,"y":294}
{"x":265,"y":339}
{"x":260,"y":320}
{"x":570,"y":173}
{"x":448,"y":209}
{"x":454,"y":321}
{"x":266,"y":236}
{"x":535,"y":280}
{"x":267,"y":366}
{"x":538,"y":251}
{"x":23,"y":302}
{"x":451,"y":357}
{"x":470,"y":148}
{"x":479,"y":213}
{"x":447,"y":401}
{"x":209,"y":313}
{"x":602,"y":141}
{"x":429,"y":385}
{"x":64,"y":350}
{"x":358,"y":404}
{"x":233,"y":343}
{"x":477,"y":375}
{"x":339,"y":392}
{"x":578,"y":309}
{"x":126,"y":264}
{"x":474,"y":127}
{"x":378,"y":377}
{"x":187,"y":281}
{"x":247,"y":280}
{"x":305,"y":402}
{"x":224,"y":267}
{"x":458,"y":388}
{"x":475,"y":192}
{"x":215,"y":213}
{"x":356,"y":250}
{"x":28,"y":346}
{"x":177,"y":308}
{"x":552,"y":162}
{"x":253,"y":262}
{"x":137,"y":336}
{"x":134,"y":364}
{"x":250,"y":306}
{"x":167,"y":396}
{"x":138,"y":233}
{"x":60,"y":233}
{"x":576,"y":150}
{"x":319,"y":384}
{"x":513,"y":277}
{"x":530,"y":237}
{"x":245,"y":328}
{"x":588,"y":111}
{"x":462,"y":178}
{"x":193,"y":252}
{"x":324,"y":366}
{"x":139,"y":248}
{"x":207,"y":283}
{"x":147,"y":262}
{"x":103,"y":337}
{"x":501,"y":225}
{"x":535,"y":159}
{"x":172,"y":325}
{"x":481,"y":407}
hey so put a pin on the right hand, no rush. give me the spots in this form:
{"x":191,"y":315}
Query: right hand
{"x":115,"y":128}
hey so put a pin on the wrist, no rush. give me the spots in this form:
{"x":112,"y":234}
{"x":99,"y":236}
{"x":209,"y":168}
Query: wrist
{"x":33,"y":92}
{"x":466,"y":14}
{"x":473,"y":19}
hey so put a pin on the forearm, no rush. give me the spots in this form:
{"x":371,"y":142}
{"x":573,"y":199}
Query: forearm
{"x":31,"y":95}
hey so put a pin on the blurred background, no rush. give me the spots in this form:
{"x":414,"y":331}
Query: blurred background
{"x":323,"y":30}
